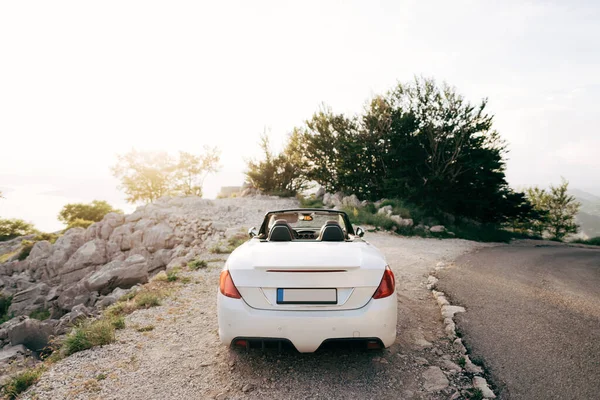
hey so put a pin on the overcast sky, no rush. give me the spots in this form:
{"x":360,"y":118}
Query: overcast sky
{"x":83,"y":81}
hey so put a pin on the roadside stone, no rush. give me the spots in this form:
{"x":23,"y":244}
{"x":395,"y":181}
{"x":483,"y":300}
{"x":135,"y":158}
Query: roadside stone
{"x":434,"y":379}
{"x":421,"y":361}
{"x":450,"y":366}
{"x":31,"y":333}
{"x":458,"y":346}
{"x":472,"y":368}
{"x":437,"y":229}
{"x":481,"y":384}
{"x":12,"y":352}
{"x":385,"y":210}
{"x":449,"y":311}
{"x":248,"y":387}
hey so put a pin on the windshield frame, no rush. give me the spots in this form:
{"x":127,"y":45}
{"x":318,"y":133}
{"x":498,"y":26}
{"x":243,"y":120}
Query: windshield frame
{"x":349,"y":229}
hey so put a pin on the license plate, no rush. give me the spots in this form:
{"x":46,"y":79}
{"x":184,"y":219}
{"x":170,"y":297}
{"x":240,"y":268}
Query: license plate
{"x":306,"y":296}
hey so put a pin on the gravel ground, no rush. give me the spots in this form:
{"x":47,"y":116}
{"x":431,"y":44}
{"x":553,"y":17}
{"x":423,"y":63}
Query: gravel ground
{"x":183,"y":358}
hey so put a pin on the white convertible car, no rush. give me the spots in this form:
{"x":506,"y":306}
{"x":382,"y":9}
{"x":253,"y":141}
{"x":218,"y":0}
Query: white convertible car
{"x":306,"y":277}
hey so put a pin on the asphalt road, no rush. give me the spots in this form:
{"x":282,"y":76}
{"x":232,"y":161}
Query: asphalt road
{"x":533,"y":317}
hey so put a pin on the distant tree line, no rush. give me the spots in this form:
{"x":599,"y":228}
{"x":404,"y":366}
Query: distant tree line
{"x":420,"y":142}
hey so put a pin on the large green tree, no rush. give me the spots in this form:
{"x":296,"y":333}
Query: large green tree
{"x":421,"y":142}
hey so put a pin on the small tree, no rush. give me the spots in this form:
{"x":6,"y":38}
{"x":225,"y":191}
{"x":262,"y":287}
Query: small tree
{"x":555,"y":211}
{"x":92,"y":212}
{"x":540,"y":200}
{"x":145,"y":176}
{"x":12,"y":228}
{"x":280,"y":174}
{"x":191,"y":170}
{"x":562,"y":209}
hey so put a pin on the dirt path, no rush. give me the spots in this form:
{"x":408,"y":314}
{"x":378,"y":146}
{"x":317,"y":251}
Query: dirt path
{"x":182,"y":357}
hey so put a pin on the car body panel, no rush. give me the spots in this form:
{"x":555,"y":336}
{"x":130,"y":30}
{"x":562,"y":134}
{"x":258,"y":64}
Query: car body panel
{"x":353,"y":267}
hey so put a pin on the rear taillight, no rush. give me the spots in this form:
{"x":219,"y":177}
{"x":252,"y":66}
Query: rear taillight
{"x":387,"y":285}
{"x":227,"y":287}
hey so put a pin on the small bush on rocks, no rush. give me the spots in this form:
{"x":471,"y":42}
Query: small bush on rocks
{"x":197,"y":264}
{"x":27,"y":245}
{"x":146,"y":328}
{"x":236,"y":240}
{"x":42,"y":314}
{"x":172,"y":275}
{"x":118,"y":322}
{"x":21,"y":382}
{"x":89,"y":334}
{"x":217,"y":249}
{"x":5,"y":302}
{"x":310,"y":202}
{"x":160,"y":277}
{"x":147,"y":299}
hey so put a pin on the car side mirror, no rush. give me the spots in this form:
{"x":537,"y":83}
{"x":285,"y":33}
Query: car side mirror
{"x":252,"y":232}
{"x":360,"y":231}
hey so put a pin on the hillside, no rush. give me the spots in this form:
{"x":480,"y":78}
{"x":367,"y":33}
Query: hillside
{"x":589,"y":214}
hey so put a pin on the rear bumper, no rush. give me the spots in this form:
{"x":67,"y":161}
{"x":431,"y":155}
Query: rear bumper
{"x":308,"y":329}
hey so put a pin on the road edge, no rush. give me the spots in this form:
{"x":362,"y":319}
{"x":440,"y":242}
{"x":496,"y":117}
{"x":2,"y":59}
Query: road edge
{"x":447,"y":310}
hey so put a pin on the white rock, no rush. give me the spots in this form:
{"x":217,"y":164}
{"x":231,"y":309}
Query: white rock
{"x":481,"y":384}
{"x":437,"y":229}
{"x":434,"y":379}
{"x":472,"y":368}
{"x":449,"y":311}
{"x":385,"y":210}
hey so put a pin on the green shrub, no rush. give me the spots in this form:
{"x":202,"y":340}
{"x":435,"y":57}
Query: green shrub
{"x":146,"y":328}
{"x":217,"y":249}
{"x":26,"y":247}
{"x":5,"y":302}
{"x":118,"y":322}
{"x":12,"y":228}
{"x":361,"y":216}
{"x":595,"y":241}
{"x":197,"y":264}
{"x":89,"y":334}
{"x":21,"y":382}
{"x":172,"y":275}
{"x":79,"y":223}
{"x":310,"y":202}
{"x":482,"y":233}
{"x":51,"y":237}
{"x":147,"y":299}
{"x":236,"y":240}
{"x":42,"y":314}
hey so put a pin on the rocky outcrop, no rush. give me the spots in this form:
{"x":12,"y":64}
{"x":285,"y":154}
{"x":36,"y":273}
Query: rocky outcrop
{"x":31,"y":333}
{"x":86,"y":270}
{"x":118,"y":274}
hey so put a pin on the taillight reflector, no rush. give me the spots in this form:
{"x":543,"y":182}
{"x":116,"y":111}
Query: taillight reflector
{"x":387,"y":285}
{"x":227,"y":287}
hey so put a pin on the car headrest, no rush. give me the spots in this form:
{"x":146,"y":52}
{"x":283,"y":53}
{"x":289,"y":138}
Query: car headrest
{"x":332,"y":233}
{"x":280,"y":233}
